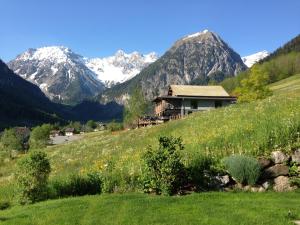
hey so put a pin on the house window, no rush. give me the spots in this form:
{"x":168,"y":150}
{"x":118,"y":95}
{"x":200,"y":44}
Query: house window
{"x":218,"y":104}
{"x":194,"y":104}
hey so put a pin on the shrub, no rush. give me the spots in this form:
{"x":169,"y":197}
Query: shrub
{"x":11,"y":141}
{"x":114,"y":126}
{"x":4,"y":205}
{"x":200,"y":170}
{"x":119,"y":179}
{"x":244,"y":169}
{"x":32,"y":176}
{"x":39,"y":137}
{"x":77,"y":185}
{"x":164,"y":173}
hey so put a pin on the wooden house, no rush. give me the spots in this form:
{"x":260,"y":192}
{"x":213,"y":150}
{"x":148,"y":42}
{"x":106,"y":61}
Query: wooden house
{"x":185,"y":99}
{"x":69,"y":131}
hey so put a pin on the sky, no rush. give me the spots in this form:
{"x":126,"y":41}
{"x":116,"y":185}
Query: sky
{"x":99,"y":28}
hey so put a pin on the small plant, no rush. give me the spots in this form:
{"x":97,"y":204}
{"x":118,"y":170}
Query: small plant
{"x":32,"y":176}
{"x":114,"y":126}
{"x":295,"y":182}
{"x":293,"y":170}
{"x":77,"y":185}
{"x":164,"y":172}
{"x":4,"y":205}
{"x":244,"y":169}
{"x":198,"y":170}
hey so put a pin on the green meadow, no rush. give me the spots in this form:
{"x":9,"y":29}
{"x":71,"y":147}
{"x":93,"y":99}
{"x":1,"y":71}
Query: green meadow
{"x":255,"y":129}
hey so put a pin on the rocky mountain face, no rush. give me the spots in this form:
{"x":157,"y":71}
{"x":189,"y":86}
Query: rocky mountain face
{"x":24,"y":104}
{"x":196,"y":58}
{"x":60,"y":73}
{"x":120,"y":67}
{"x":250,"y":60}
{"x":67,"y":77}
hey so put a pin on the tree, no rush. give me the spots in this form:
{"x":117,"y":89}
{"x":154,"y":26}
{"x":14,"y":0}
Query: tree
{"x":254,"y":87}
{"x":135,"y":108}
{"x":164,"y":172}
{"x":11,"y":141}
{"x":39,"y":137}
{"x":91,"y":124}
{"x":32,"y":176}
{"x":76,"y":125}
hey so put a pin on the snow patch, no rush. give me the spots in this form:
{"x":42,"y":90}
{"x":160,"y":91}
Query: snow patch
{"x":196,"y":34}
{"x":250,"y":60}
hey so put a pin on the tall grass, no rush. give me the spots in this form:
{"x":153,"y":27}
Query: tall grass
{"x":253,"y":129}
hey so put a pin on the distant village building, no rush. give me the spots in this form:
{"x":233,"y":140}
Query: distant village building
{"x":185,"y":99}
{"x":69,"y":131}
{"x":56,"y":133}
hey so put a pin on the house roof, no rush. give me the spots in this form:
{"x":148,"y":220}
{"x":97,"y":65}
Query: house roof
{"x":69,"y":129}
{"x":193,"y":90}
{"x":166,"y":97}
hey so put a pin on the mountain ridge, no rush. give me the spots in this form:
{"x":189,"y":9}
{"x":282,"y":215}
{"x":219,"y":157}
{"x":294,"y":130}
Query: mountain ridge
{"x":202,"y":56}
{"x":65,"y":76}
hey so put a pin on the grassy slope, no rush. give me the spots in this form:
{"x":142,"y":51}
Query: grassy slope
{"x":237,"y":124}
{"x":291,"y":84}
{"x":220,"y":132}
{"x":253,"y":128}
{"x":205,"y":208}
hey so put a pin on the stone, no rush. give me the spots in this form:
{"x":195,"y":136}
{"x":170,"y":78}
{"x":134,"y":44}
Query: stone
{"x":266,"y":185}
{"x":264,"y":162}
{"x":296,"y":157}
{"x":261,"y":189}
{"x":247,"y":188}
{"x":282,"y":184}
{"x":223,"y":180}
{"x":276,"y":170}
{"x":255,"y":189}
{"x":279,"y":157}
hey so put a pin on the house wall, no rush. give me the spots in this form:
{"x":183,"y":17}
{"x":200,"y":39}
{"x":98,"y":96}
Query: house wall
{"x":202,"y":105}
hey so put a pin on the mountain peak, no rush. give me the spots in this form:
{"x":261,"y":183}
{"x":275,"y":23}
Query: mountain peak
{"x":250,"y":60}
{"x":57,"y":53}
{"x":195,"y":35}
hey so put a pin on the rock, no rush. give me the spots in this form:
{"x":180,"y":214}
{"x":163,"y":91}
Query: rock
{"x":261,"y":189}
{"x":255,"y":189}
{"x":264,"y":162}
{"x":266,"y":185}
{"x":279,"y":157}
{"x":247,"y":188}
{"x":281,"y":184}
{"x":223,"y":180}
{"x":296,"y":157}
{"x":276,"y":170}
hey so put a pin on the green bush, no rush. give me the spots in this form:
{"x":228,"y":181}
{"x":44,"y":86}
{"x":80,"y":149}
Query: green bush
{"x":4,"y":205}
{"x":10,"y":141}
{"x":199,"y":170}
{"x":114,"y":126}
{"x":39,"y":137}
{"x":164,"y":172}
{"x":244,"y":169}
{"x":32,"y":176}
{"x":77,"y":185}
{"x":119,"y":179}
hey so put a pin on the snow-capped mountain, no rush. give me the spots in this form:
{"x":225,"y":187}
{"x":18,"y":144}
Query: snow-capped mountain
{"x":120,"y":67}
{"x":67,"y":77}
{"x":60,"y":73}
{"x":194,"y":59}
{"x":250,"y":60}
